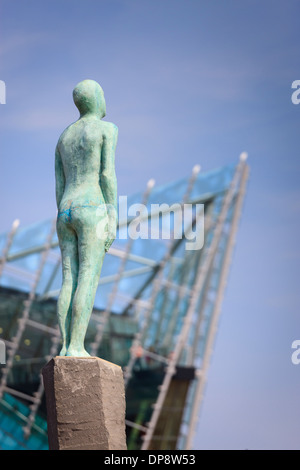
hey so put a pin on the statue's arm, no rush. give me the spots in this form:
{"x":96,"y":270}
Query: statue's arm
{"x":108,"y":180}
{"x":59,"y":177}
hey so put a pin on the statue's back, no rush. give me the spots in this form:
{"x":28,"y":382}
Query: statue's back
{"x":80,"y":148}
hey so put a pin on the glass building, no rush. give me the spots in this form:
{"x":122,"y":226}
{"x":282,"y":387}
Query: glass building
{"x":155,"y":314}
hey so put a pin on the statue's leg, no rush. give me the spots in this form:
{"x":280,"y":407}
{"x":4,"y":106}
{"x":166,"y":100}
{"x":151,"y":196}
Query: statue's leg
{"x":69,"y":251}
{"x":91,"y":254}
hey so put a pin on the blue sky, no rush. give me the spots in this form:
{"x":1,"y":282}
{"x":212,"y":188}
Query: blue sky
{"x":186,"y":81}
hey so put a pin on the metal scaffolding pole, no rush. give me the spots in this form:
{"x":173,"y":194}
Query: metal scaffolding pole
{"x":139,"y":337}
{"x":198,"y":285}
{"x":183,"y":289}
{"x":217,"y":306}
{"x":9,"y":241}
{"x":25,"y":314}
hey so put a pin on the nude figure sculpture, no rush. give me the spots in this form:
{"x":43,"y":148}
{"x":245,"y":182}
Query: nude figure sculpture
{"x":86,"y":195}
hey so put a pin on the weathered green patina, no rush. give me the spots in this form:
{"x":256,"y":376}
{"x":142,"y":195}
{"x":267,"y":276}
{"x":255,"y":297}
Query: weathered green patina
{"x":86,"y":195}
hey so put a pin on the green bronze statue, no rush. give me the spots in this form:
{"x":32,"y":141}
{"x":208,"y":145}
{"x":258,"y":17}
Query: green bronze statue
{"x":86,"y":196}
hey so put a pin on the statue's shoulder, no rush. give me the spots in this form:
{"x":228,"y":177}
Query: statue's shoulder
{"x":65,"y":132}
{"x":110,"y":129}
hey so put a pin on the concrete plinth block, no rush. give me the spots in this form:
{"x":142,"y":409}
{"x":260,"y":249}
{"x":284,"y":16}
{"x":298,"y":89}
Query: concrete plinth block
{"x":85,"y":400}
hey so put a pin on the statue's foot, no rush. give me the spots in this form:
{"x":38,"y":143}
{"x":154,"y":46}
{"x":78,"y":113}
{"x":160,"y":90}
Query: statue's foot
{"x":73,"y":352}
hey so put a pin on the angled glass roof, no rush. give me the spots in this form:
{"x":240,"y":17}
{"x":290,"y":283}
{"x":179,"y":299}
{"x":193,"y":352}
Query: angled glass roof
{"x":161,"y":278}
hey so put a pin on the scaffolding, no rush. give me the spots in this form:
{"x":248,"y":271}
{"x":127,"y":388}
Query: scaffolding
{"x":156,"y":308}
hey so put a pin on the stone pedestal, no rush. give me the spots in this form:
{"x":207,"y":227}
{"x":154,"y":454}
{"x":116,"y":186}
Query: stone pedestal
{"x":85,"y":400}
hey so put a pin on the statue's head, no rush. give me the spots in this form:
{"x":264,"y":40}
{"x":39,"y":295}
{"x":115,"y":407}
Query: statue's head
{"x":88,"y":96}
